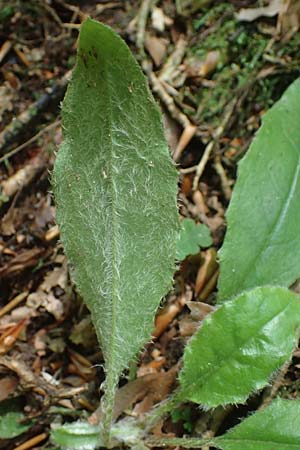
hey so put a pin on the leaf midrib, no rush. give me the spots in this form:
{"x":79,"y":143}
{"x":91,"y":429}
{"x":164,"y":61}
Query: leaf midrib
{"x":215,"y":368}
{"x":113,"y":231}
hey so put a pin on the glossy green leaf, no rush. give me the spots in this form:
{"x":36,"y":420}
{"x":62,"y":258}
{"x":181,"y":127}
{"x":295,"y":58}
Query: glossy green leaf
{"x":77,"y":435}
{"x":276,"y":427}
{"x":191,"y":237}
{"x":115,"y":189}
{"x":262,"y":244}
{"x":238,"y":347}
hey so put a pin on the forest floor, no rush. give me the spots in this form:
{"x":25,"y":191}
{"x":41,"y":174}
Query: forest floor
{"x":215,"y":67}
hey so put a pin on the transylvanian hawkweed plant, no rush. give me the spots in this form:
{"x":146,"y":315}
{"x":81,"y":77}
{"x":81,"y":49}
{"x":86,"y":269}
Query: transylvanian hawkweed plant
{"x":115,"y":188}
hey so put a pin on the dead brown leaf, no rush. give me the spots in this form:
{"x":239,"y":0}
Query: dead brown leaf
{"x":8,"y":386}
{"x":25,"y":259}
{"x":157,"y":48}
{"x":9,"y":337}
{"x":206,"y":270}
{"x":44,"y":296}
{"x":289,"y":19}
{"x":251,"y":14}
{"x":210,"y":63}
{"x":152,"y":388}
{"x":167,"y":314}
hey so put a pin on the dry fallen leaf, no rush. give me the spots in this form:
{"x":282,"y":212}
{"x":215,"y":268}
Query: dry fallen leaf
{"x":8,"y":386}
{"x":251,"y":14}
{"x":153,"y":388}
{"x":167,"y":314}
{"x":289,"y":19}
{"x":157,"y":48}
{"x":158,"y":19}
{"x":44,"y":297}
{"x":206,"y":270}
{"x":210,"y":63}
{"x":25,"y":259}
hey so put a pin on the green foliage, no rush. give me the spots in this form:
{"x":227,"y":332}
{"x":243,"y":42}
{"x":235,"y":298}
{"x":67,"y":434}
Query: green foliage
{"x":12,"y":420}
{"x":262,"y":244}
{"x":276,"y":427}
{"x":238,"y":347}
{"x":82,"y":435}
{"x":6,"y":12}
{"x":192,"y":236}
{"x":115,"y":189}
{"x":183,"y":414}
{"x":77,"y":435}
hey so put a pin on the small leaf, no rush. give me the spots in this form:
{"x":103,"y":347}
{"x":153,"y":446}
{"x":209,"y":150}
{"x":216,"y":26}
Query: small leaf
{"x":11,"y":426}
{"x":262,"y":244}
{"x":11,"y":417}
{"x":239,"y":347}
{"x":77,"y":435}
{"x":192,"y":236}
{"x":115,"y":188}
{"x":277,"y":427}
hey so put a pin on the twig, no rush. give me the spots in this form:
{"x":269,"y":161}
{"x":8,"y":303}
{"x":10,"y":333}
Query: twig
{"x":174,"y":60}
{"x":210,"y":146}
{"x":141,"y":24}
{"x":30,"y":141}
{"x":52,"y":12}
{"x":168,"y":101}
{"x":20,"y":125}
{"x":223,"y":177}
{"x":201,"y":166}
{"x":184,"y":139}
{"x":13,"y":303}
{"x":188,"y":170}
{"x":24,"y":176}
{"x":32,"y":442}
{"x":5,"y":49}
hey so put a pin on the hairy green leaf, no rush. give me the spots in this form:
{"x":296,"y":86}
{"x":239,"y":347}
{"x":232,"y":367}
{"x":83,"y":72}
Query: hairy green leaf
{"x":192,"y":236}
{"x":239,"y":346}
{"x":276,"y":427}
{"x":77,"y":435}
{"x":115,"y":189}
{"x":262,"y":244}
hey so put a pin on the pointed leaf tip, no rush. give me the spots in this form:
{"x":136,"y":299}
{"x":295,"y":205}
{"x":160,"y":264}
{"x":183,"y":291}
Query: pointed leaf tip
{"x":115,"y":188}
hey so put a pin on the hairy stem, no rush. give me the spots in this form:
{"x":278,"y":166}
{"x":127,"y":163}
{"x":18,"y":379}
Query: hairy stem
{"x":107,"y":406}
{"x":179,"y":442}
